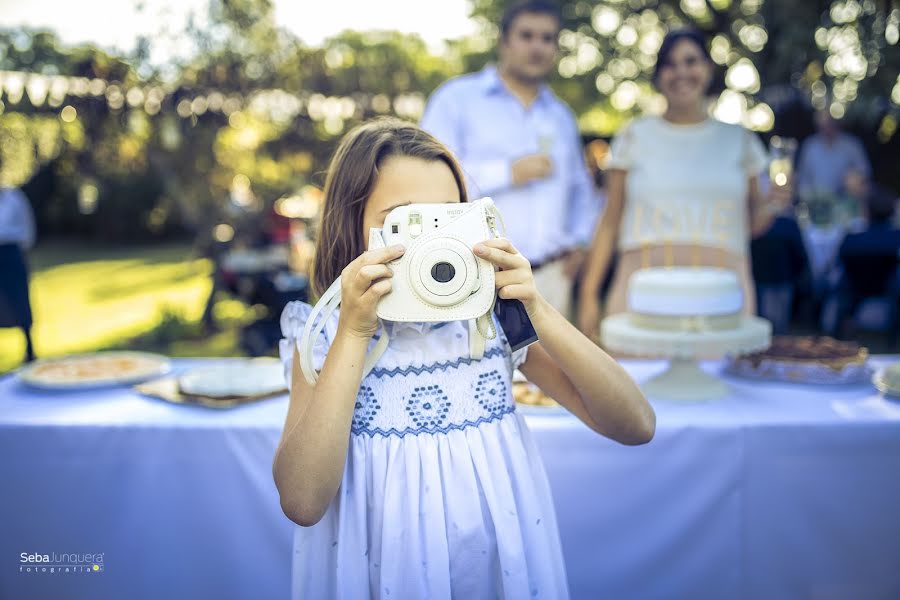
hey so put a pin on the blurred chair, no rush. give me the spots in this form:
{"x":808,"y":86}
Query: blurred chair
{"x":780,"y":270}
{"x":866,"y":285}
{"x":866,"y":296}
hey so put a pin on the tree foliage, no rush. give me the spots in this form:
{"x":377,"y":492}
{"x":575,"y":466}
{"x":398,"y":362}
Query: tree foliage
{"x":124,"y":148}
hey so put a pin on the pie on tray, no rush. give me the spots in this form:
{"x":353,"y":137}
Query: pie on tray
{"x":806,"y":359}
{"x":821,"y":350}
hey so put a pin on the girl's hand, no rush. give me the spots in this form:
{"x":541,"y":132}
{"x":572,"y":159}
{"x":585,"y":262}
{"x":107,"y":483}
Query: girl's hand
{"x":514,"y":279}
{"x":363,"y":283}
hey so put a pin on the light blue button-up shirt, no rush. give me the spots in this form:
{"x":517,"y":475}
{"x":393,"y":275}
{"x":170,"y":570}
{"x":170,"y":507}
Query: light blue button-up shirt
{"x":16,"y":218}
{"x":488,"y":128}
{"x":823,"y":165}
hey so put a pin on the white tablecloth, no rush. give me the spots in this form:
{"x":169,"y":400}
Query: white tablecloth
{"x":778,"y":491}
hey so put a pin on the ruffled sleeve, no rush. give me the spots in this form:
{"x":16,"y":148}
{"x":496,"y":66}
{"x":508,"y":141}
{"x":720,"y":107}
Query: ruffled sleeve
{"x":519,"y":357}
{"x":754,"y":157}
{"x":622,"y":149}
{"x":293,"y":320}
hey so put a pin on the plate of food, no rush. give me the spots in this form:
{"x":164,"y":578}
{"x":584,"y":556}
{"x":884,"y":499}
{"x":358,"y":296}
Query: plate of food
{"x":887,"y":380}
{"x":805,"y":359}
{"x":530,"y":398}
{"x":234,"y":379}
{"x":96,"y":369}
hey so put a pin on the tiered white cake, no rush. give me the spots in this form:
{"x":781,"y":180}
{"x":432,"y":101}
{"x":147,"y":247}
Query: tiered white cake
{"x":685,"y":298}
{"x":685,"y":313}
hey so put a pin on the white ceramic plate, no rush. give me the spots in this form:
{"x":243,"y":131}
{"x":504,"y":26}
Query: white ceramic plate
{"x":251,"y":377}
{"x":95,"y":369}
{"x":887,"y":380}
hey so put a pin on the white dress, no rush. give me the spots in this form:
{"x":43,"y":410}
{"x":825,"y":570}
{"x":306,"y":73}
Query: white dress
{"x":686,"y":184}
{"x":444,"y":494}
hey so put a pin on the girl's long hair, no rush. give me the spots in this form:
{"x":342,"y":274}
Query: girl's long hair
{"x":350,"y":180}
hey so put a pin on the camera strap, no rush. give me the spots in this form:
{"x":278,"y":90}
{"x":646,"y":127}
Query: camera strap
{"x":482,"y":329}
{"x":325,"y":307}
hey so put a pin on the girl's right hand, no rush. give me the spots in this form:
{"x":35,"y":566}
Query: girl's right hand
{"x":363,"y":282}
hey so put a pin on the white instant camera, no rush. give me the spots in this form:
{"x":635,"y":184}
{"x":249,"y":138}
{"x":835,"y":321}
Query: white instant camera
{"x":438,"y":278}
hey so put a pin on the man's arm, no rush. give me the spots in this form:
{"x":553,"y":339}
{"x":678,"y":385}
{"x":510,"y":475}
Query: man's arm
{"x":859,"y":160}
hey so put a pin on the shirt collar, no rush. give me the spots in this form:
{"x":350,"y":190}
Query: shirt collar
{"x":493,"y":84}
{"x":395,"y":327}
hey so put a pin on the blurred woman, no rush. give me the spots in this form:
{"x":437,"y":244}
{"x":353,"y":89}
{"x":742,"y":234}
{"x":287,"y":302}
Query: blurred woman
{"x":682,"y":188}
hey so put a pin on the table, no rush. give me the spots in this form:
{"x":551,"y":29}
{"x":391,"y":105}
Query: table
{"x":778,"y":491}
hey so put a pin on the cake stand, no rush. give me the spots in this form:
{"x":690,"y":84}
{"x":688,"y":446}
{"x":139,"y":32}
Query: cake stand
{"x":684,"y":380}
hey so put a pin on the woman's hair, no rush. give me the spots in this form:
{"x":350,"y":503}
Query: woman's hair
{"x":668,"y":43}
{"x":349,"y":183}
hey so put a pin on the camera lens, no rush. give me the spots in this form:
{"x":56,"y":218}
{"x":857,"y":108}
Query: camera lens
{"x":442,"y":272}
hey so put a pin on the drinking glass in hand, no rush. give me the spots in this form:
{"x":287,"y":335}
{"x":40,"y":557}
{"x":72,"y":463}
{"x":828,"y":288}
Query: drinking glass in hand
{"x":781,"y":151}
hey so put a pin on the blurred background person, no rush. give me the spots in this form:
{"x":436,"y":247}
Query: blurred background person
{"x":519,"y":144}
{"x":832,"y":179}
{"x":682,"y":188}
{"x":780,"y":271}
{"x":832,"y":161}
{"x":17,"y":234}
{"x":868,"y":269}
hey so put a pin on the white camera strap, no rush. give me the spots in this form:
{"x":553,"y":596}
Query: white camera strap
{"x":482,"y":329}
{"x":325,"y":307}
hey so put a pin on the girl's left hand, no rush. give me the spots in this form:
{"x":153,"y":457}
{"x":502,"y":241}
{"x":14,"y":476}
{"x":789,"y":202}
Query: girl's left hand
{"x":514,"y":279}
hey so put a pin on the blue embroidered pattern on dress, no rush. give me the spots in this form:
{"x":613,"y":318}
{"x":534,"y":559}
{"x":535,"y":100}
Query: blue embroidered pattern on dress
{"x":366,"y":408}
{"x":491,"y":391}
{"x":433,"y":368}
{"x":428,"y":406}
{"x":420,"y":430}
{"x":438,"y":397}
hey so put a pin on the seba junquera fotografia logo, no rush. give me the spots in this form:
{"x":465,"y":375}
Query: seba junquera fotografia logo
{"x":61,"y":562}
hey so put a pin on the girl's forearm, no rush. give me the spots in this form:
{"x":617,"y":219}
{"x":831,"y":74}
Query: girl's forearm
{"x":608,"y":392}
{"x":309,"y":464}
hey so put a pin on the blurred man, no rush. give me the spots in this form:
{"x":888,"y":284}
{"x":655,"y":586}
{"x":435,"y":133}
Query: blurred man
{"x":832,"y":161}
{"x":519,"y":144}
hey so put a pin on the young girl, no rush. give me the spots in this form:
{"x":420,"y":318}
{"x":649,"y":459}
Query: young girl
{"x":422,"y":480}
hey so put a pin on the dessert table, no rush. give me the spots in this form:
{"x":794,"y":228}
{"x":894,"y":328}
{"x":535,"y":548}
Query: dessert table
{"x":776,"y":491}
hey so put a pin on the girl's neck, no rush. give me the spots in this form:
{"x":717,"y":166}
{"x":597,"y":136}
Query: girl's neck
{"x":685,"y":115}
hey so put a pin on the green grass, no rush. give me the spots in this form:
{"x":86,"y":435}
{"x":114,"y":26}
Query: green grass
{"x":144,"y":298}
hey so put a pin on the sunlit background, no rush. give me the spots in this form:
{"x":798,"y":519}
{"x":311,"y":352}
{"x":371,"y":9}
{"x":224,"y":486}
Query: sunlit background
{"x":165,"y":145}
